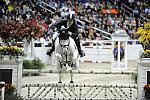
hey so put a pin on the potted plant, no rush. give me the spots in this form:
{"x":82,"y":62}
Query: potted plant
{"x":10,"y":92}
{"x":9,"y":89}
{"x":14,"y":31}
{"x":147,"y":91}
{"x":144,"y":38}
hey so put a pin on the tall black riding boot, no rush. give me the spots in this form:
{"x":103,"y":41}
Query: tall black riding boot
{"x":81,"y":52}
{"x":50,"y":51}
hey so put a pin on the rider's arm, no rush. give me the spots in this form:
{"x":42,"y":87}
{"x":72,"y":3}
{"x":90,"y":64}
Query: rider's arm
{"x":74,"y":29}
{"x":59,"y":24}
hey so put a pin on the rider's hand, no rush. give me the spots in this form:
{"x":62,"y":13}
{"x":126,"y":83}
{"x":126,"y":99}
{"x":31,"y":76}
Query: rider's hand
{"x":55,"y":29}
{"x":70,"y":33}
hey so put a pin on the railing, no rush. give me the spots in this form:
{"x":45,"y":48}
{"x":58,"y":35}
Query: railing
{"x":78,"y":92}
{"x":127,"y":9}
{"x":46,"y":6}
{"x":131,"y":12}
{"x":104,"y":32}
{"x":2,"y":90}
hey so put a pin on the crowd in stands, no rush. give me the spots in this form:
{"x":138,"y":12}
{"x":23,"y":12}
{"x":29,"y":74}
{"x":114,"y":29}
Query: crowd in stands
{"x":139,"y":7}
{"x":106,"y":15}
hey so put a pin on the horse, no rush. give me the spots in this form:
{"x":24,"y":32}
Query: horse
{"x":66,"y":54}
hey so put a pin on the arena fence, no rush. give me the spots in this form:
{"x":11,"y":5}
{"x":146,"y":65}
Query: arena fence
{"x":78,"y":92}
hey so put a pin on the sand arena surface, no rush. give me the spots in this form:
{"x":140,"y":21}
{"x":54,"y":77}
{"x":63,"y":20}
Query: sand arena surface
{"x":86,"y":78}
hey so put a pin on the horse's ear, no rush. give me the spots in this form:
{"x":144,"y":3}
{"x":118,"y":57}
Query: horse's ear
{"x":70,"y":33}
{"x":62,"y":27}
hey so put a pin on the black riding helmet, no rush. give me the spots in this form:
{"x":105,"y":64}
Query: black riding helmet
{"x":70,"y":19}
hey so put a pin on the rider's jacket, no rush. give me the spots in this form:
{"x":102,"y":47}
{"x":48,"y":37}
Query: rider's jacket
{"x":73,"y":28}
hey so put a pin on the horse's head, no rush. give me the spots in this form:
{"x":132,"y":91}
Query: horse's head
{"x":64,"y":33}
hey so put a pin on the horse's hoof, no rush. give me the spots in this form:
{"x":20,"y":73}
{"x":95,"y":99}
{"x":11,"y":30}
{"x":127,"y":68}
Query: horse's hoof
{"x":71,"y":82}
{"x":59,"y":82}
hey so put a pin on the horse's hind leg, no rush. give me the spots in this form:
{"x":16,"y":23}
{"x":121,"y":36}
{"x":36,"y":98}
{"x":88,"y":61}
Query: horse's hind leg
{"x":60,"y":80}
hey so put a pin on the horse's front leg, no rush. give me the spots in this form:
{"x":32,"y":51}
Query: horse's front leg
{"x":59,"y":66}
{"x":71,"y":81}
{"x":60,"y":76}
{"x":71,"y":77}
{"x":60,"y":80}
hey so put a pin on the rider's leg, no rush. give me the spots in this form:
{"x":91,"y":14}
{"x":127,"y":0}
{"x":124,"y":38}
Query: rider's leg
{"x":50,"y":51}
{"x":77,"y":41}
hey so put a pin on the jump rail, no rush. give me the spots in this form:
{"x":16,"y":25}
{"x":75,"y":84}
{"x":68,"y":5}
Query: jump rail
{"x":81,"y":72}
{"x":79,"y":92}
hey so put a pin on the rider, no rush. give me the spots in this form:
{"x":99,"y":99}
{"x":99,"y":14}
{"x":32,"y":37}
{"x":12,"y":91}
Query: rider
{"x":72,"y":26}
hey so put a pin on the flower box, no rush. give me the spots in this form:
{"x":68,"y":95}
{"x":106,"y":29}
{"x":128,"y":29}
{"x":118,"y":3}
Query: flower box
{"x":10,"y":53}
{"x":145,"y":54}
{"x":9,"y":59}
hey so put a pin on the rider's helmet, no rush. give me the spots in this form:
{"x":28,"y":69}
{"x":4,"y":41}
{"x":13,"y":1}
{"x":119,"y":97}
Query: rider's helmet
{"x":70,"y":19}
